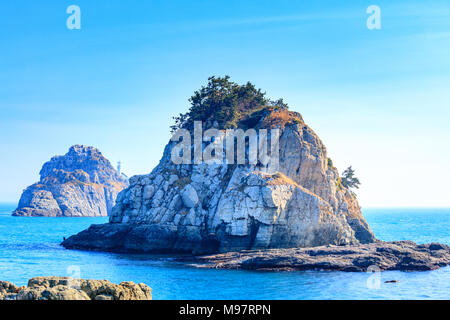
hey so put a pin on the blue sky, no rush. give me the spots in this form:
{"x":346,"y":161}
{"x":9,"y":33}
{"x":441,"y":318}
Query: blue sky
{"x":379,"y":99}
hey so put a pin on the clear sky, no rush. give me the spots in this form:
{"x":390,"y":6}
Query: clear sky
{"x":379,"y":99}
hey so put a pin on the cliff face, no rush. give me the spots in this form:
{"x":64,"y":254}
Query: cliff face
{"x":81,"y":183}
{"x":202,"y":208}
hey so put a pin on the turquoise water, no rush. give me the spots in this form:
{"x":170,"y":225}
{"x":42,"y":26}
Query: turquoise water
{"x":29,"y":247}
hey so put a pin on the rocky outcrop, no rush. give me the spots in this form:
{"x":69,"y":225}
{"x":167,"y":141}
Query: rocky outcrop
{"x":378,"y":256}
{"x":62,"y":288}
{"x":204,"y":208}
{"x":81,"y":183}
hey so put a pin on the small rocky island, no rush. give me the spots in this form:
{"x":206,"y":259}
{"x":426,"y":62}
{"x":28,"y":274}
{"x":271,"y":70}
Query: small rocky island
{"x":63,"y":288}
{"x":300,"y":215}
{"x":81,"y":183}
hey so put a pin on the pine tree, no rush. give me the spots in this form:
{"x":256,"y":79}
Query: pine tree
{"x":349,"y":180}
{"x":223,"y":101}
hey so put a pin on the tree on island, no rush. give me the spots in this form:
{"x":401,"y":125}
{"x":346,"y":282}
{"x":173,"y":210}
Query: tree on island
{"x":224,"y":102}
{"x":349,"y":180}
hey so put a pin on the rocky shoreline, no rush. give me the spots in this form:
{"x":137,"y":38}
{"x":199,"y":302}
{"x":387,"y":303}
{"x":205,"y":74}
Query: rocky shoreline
{"x":64,"y":288}
{"x":377,"y":256}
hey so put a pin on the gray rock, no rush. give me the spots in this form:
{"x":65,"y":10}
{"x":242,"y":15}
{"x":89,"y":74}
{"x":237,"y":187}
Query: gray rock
{"x":189,"y":196}
{"x":81,"y":183}
{"x":149,"y":191}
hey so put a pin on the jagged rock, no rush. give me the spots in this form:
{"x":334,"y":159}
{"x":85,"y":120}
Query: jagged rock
{"x":81,"y":183}
{"x":399,"y":255}
{"x":63,"y":288}
{"x":222,"y":207}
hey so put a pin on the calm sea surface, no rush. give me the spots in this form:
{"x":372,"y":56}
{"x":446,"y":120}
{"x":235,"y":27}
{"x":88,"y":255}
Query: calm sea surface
{"x":29,"y":247}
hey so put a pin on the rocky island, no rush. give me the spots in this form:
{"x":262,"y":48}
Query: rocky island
{"x":205,"y":208}
{"x":81,"y":183}
{"x":64,"y":288}
{"x":299,"y":214}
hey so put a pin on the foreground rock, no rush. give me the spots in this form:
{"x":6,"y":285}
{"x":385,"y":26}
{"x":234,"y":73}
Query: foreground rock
{"x":56,"y":288}
{"x":399,"y":255}
{"x":81,"y":183}
{"x":204,"y":208}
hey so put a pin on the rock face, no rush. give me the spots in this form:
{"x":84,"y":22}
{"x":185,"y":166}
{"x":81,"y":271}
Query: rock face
{"x":204,"y":208}
{"x":378,"y":256}
{"x":81,"y":183}
{"x":56,"y":288}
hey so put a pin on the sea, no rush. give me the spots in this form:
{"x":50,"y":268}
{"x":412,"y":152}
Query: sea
{"x":30,"y":247}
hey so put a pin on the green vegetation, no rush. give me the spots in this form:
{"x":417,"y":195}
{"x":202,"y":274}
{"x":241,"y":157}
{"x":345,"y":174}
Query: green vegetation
{"x":226,"y":102}
{"x":339,"y":183}
{"x":330,"y":163}
{"x":349,"y":180}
